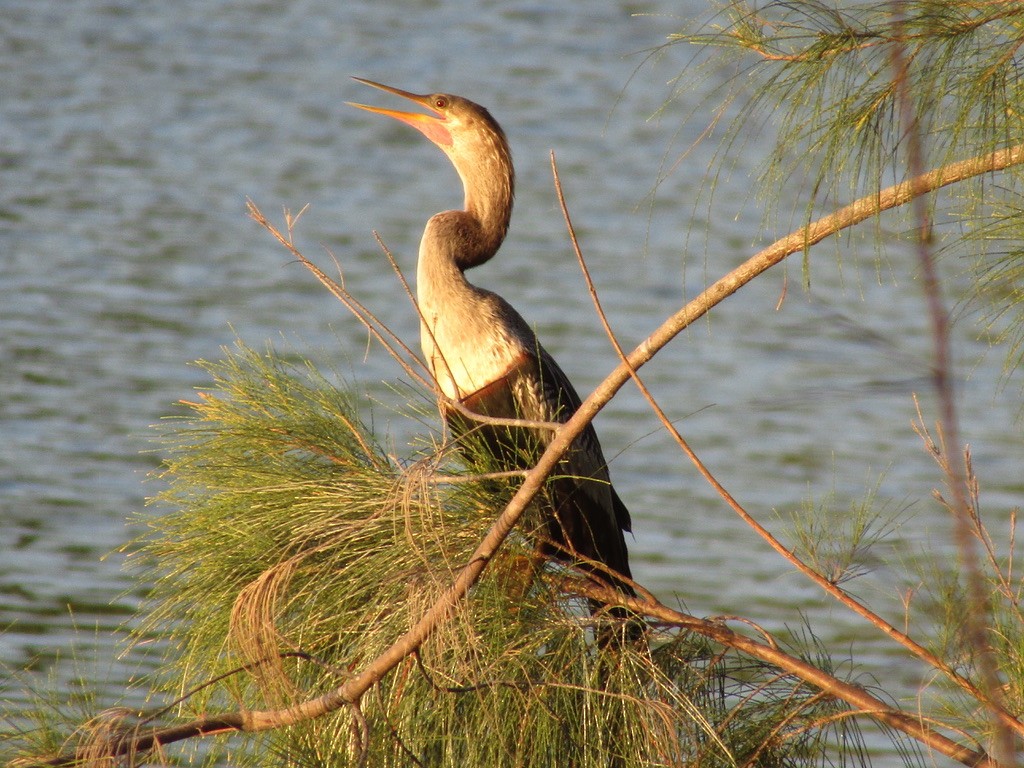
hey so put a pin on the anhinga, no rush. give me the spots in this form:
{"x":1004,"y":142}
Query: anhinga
{"x":483,"y":354}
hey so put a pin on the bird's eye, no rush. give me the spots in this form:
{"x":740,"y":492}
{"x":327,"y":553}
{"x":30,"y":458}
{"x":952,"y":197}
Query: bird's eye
{"x":440,"y":102}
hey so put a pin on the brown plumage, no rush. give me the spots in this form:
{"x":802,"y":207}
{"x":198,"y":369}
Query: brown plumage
{"x":483,"y":354}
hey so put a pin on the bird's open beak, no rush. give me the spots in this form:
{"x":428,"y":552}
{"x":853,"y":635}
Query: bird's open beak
{"x":431,"y":126}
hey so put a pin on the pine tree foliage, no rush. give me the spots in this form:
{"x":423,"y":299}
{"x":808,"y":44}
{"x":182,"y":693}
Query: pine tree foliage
{"x":828,"y":81}
{"x":295,"y":547}
{"x":825,"y":74}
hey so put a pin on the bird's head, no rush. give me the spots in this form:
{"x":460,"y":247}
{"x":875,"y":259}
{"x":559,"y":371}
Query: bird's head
{"x":437,"y":127}
{"x":462,"y":129}
{"x":476,"y":146}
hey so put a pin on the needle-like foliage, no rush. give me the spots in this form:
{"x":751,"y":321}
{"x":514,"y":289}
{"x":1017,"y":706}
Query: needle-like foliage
{"x":823,"y":78}
{"x":296,"y":549}
{"x":829,"y":81}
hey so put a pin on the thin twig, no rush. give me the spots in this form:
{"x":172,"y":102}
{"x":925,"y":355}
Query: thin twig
{"x":378,"y":330}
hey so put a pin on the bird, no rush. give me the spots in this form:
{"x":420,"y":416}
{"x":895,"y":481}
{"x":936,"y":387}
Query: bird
{"x":485,"y":356}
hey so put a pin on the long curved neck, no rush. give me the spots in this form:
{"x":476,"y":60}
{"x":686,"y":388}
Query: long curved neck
{"x":488,"y":211}
{"x":465,"y":331}
{"x":489,"y":182}
{"x":452,"y":242}
{"x":462,"y":331}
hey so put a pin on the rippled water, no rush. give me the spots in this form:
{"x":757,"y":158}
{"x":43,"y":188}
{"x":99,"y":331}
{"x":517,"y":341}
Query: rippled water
{"x":131,"y":133}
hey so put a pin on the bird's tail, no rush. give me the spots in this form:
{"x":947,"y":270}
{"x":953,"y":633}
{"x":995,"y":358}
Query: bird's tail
{"x":615,"y":625}
{"x":621,"y":628}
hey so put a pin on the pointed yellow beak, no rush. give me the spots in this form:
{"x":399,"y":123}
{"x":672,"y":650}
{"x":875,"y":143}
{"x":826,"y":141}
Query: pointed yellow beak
{"x":431,"y":126}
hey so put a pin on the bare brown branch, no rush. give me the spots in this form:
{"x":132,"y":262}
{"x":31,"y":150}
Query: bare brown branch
{"x":830,"y":587}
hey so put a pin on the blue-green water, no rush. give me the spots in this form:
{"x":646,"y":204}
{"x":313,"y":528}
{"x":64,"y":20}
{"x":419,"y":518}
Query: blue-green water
{"x":131,"y":133}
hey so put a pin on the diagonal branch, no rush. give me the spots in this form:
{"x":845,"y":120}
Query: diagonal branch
{"x":387,"y":338}
{"x":1004,"y":717}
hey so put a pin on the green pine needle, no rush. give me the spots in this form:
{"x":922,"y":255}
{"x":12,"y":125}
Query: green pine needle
{"x":294,"y":547}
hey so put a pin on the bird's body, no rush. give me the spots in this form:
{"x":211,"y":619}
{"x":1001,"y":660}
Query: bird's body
{"x":483,"y":354}
{"x":489,"y":359}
